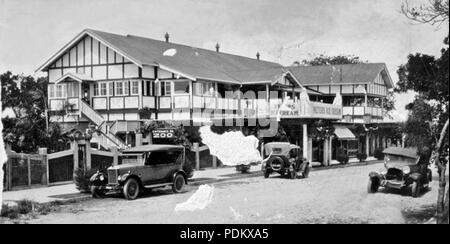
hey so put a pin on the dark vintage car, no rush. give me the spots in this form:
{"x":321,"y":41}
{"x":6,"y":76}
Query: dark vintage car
{"x":284,"y":158}
{"x":143,"y":167}
{"x":403,"y":168}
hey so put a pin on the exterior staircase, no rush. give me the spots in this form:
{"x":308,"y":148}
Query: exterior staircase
{"x":107,"y":138}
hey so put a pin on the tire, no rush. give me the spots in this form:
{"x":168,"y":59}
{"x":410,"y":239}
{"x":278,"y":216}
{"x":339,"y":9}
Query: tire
{"x":266,"y":174}
{"x":372,"y":186}
{"x":131,"y":189}
{"x":415,"y":189}
{"x":178,"y":183}
{"x":305,"y":173}
{"x":96,"y":192}
{"x":278,"y":161}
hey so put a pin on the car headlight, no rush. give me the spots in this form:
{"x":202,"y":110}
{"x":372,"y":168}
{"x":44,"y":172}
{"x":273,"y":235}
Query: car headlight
{"x":119,"y":178}
{"x":102,"y":177}
{"x":383,"y":171}
{"x":406,"y":170}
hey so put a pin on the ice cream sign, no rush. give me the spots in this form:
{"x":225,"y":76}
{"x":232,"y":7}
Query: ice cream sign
{"x":309,"y":110}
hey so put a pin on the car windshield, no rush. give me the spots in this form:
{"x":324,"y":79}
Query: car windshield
{"x":395,"y":159}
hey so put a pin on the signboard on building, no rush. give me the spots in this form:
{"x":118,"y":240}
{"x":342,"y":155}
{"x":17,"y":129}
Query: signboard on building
{"x":308,"y":110}
{"x":163,"y":133}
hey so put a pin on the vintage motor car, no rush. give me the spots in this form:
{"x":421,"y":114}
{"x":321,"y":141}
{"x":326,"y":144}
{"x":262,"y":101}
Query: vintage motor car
{"x":142,"y":167}
{"x":284,"y":158}
{"x":402,"y":168}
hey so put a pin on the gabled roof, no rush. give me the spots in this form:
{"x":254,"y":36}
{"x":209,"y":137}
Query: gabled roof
{"x":190,"y":62}
{"x":365,"y":73}
{"x":75,"y":76}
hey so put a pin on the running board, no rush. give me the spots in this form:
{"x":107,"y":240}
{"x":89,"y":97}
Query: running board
{"x":158,"y":185}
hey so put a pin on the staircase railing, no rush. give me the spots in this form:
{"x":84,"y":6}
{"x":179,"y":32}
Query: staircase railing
{"x":91,"y":114}
{"x":99,"y":121}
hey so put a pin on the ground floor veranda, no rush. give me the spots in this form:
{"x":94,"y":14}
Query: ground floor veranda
{"x":343,"y":138}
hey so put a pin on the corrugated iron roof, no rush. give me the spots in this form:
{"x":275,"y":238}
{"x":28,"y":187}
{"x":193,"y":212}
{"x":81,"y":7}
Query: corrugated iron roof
{"x":341,"y":74}
{"x":196,"y":62}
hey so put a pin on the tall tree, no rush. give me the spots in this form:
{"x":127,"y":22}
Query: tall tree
{"x":28,"y":130}
{"x":332,"y":60}
{"x":435,"y":12}
{"x":429,"y":77}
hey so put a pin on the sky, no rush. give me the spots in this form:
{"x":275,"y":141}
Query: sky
{"x":282,"y":31}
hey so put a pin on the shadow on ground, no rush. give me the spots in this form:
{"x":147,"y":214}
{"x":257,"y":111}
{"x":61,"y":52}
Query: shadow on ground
{"x":420,"y":215}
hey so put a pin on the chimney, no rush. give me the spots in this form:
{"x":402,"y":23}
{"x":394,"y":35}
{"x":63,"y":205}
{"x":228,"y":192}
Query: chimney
{"x":167,"y":37}
{"x":217,"y":47}
{"x":257,"y":55}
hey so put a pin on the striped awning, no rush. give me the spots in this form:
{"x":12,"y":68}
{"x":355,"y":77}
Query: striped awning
{"x":344,"y":133}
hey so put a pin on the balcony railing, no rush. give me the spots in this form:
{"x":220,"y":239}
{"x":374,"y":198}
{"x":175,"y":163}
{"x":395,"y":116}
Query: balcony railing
{"x":361,"y":111}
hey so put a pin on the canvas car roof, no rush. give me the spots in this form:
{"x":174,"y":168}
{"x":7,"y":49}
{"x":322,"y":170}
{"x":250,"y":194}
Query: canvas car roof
{"x":152,"y":147}
{"x":409,"y":152}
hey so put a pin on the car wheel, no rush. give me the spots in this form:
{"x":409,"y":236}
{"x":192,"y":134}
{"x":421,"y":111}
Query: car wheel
{"x":131,"y":189}
{"x":372,"y":186}
{"x":266,"y":174}
{"x":96,"y":192}
{"x":306,"y":172}
{"x":415,"y":189}
{"x":178,"y":183}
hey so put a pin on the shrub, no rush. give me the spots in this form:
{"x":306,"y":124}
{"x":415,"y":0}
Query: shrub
{"x":82,"y":179}
{"x":361,"y":156}
{"x":342,"y":158}
{"x":24,"y":206}
{"x":145,"y":113}
{"x":9,"y":212}
{"x":378,"y":153}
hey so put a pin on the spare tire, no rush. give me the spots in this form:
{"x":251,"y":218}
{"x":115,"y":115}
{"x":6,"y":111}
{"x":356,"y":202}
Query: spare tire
{"x":275,"y":163}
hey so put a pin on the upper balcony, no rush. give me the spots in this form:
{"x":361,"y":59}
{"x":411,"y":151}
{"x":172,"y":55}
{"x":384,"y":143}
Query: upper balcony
{"x":362,"y":111}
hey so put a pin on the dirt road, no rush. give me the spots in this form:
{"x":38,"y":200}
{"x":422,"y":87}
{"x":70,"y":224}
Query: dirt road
{"x":327,"y":196}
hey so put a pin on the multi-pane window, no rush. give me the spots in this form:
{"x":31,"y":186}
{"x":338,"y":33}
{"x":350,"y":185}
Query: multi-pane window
{"x":134,"y":87}
{"x":60,"y":91}
{"x":121,"y":88}
{"x":197,"y":88}
{"x":148,"y":88}
{"x":63,"y":90}
{"x":111,"y":88}
{"x":72,"y":89}
{"x":165,"y":88}
{"x":51,"y":91}
{"x":100,"y":89}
